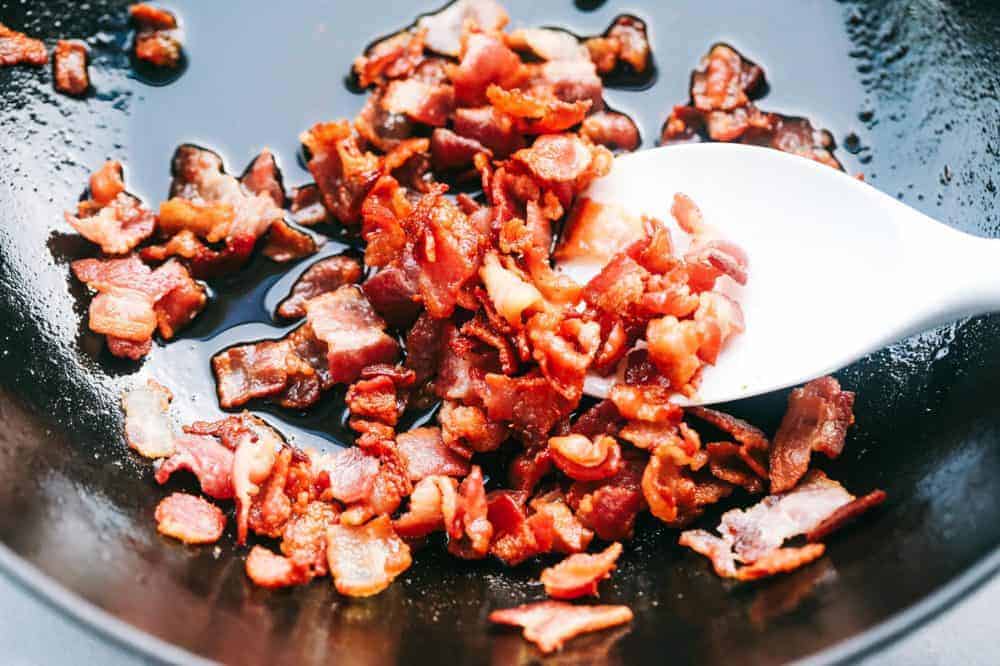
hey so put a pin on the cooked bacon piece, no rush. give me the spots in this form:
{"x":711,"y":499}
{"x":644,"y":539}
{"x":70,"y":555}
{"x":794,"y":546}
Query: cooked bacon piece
{"x":845,"y":514}
{"x":307,"y":206}
{"x":466,"y":430}
{"x":817,"y":419}
{"x":726,"y":462}
{"x":781,"y":560}
{"x":609,"y":507}
{"x":511,"y":294}
{"x":427,"y":455}
{"x":549,"y":624}
{"x":247,"y":372}
{"x":324,"y":276}
{"x":118,"y":226}
{"x":391,"y":58}
{"x":382,"y":215}
{"x":645,"y":402}
{"x":611,"y":129}
{"x":603,"y":52}
{"x":630,"y":33}
{"x":547,"y":43}
{"x":375,"y":401}
{"x":673,"y":347}
{"x":583,"y":459}
{"x":535,"y":114}
{"x":353,"y":333}
{"x":578,"y":575}
{"x":271,"y":508}
{"x":749,"y":435}
{"x":350,"y":473}
{"x":569,"y":534}
{"x":676,"y":495}
{"x":157,"y":40}
{"x":69,"y":62}
{"x":562,"y":158}
{"x":422,"y":102}
{"x":179,"y":306}
{"x":433,"y":505}
{"x":569,"y":80}
{"x":204,"y":457}
{"x":147,"y":425}
{"x":724,"y":80}
{"x":365,"y":559}
{"x":264,"y":177}
{"x":564,"y":349}
{"x":272,"y":571}
{"x":595,"y":233}
{"x":286,"y":243}
{"x":529,"y":403}
{"x":16,"y":48}
{"x":485,"y":61}
{"x":107,"y":183}
{"x":517,"y":538}
{"x":449,"y":151}
{"x":303,"y":541}
{"x":256,"y":447}
{"x":445,"y":28}
{"x":601,"y":419}
{"x":344,"y":175}
{"x":472,"y":532}
{"x":490,"y":128}
{"x":189,"y":519}
{"x":134,"y":351}
{"x":793,"y":135}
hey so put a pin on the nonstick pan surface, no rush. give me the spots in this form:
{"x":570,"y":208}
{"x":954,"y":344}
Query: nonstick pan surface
{"x":909,"y":89}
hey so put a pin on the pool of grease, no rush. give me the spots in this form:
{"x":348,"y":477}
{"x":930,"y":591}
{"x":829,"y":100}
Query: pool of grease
{"x":909,"y":90}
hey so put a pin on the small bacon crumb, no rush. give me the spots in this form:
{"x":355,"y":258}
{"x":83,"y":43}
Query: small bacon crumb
{"x":578,"y":575}
{"x":190,"y":519}
{"x":147,"y":425}
{"x":365,"y":559}
{"x":549,"y":624}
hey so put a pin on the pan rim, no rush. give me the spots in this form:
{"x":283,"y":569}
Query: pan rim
{"x":88,"y":615}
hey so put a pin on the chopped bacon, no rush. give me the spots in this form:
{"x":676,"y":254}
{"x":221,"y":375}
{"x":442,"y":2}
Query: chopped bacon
{"x":147,"y":425}
{"x":570,"y":81}
{"x":260,"y":370}
{"x":749,"y":435}
{"x":578,"y":575}
{"x":16,"y":48}
{"x":118,"y":226}
{"x":344,"y":175}
{"x":516,"y":537}
{"x":845,"y":514}
{"x":307,"y":206}
{"x":471,"y":532}
{"x":645,"y":402}
{"x":264,"y":177}
{"x":365,"y":559}
{"x":433,"y":505}
{"x":724,"y":80}
{"x":446,"y":27}
{"x":271,"y":508}
{"x":676,"y":495}
{"x":528,"y":403}
{"x":488,"y":127}
{"x":547,"y":43}
{"x":323,"y":276}
{"x":569,"y":534}
{"x":549,"y":624}
{"x":466,"y":430}
{"x":583,"y":459}
{"x":190,"y":519}
{"x":303,"y":540}
{"x":204,"y":457}
{"x":157,"y":40}
{"x":537,"y":115}
{"x":426,"y":455}
{"x":394,"y":293}
{"x":781,"y":560}
{"x":673,"y":346}
{"x":817,"y":419}
{"x":69,"y":63}
{"x":286,"y":243}
{"x":350,"y":473}
{"x":256,"y":451}
{"x":423,"y":102}
{"x":611,"y":129}
{"x":485,"y":60}
{"x":564,"y":348}
{"x":391,"y":58}
{"x":270,"y":570}
{"x":107,"y":183}
{"x":353,"y":333}
{"x":557,"y":158}
{"x":609,"y":507}
{"x":630,"y":33}
{"x":510,"y":293}
{"x":452,"y":151}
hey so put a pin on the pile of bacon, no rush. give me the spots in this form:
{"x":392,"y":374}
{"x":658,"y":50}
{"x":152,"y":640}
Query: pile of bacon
{"x":157,"y":41}
{"x":495,"y":335}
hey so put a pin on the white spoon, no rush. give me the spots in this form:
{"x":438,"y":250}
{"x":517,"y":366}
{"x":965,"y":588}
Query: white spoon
{"x":837,"y":269}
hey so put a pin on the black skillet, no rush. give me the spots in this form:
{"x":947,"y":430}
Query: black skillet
{"x":909,"y":88}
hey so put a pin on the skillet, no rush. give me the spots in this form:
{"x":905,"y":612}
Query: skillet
{"x":908,"y":88}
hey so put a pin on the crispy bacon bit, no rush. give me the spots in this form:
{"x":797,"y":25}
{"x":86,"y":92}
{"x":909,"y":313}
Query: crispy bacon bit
{"x":189,"y":519}
{"x":344,"y":175}
{"x":206,"y":458}
{"x":675,"y":494}
{"x":157,"y":40}
{"x":557,"y":158}
{"x":528,"y":403}
{"x":547,"y":43}
{"x":69,"y":64}
{"x":781,"y":560}
{"x":817,"y":419}
{"x":423,"y":102}
{"x":391,"y":58}
{"x":466,"y":430}
{"x":536,"y":114}
{"x":365,"y":559}
{"x":433,"y":505}
{"x":549,"y":624}
{"x":510,"y":293}
{"x":485,"y":61}
{"x":645,"y":402}
{"x":256,"y":451}
{"x":490,"y":128}
{"x":286,"y":243}
{"x":845,"y":514}
{"x":353,"y":333}
{"x":264,"y":177}
{"x":583,"y":459}
{"x":516,"y":537}
{"x":350,"y":473}
{"x":569,"y":534}
{"x":609,"y":507}
{"x":324,"y":276}
{"x":247,"y":372}
{"x":16,"y":48}
{"x":271,"y":571}
{"x":445,"y":28}
{"x":307,"y":206}
{"x":426,"y":454}
{"x":611,"y":129}
{"x":578,"y":575}
{"x":745,"y":464}
{"x":724,"y":80}
{"x":147,"y":425}
{"x":304,"y":538}
{"x":117,"y":226}
{"x":472,"y":531}
{"x":673,"y":346}
{"x":630,"y":33}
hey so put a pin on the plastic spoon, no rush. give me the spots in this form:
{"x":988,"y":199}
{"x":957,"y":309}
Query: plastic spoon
{"x":837,"y":268}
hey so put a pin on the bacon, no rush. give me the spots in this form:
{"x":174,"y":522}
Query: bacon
{"x":595,"y":233}
{"x":256,"y":451}
{"x":271,"y":571}
{"x":817,"y":419}
{"x":845,"y":514}
{"x":619,"y":286}
{"x":564,"y":349}
{"x":517,"y":538}
{"x":630,"y":33}
{"x":449,"y":151}
{"x":511,"y":295}
{"x":601,"y":419}
{"x":204,"y":457}
{"x":780,"y":560}
{"x":391,"y":58}
{"x":117,"y":227}
{"x":107,"y":183}
{"x":157,"y":40}
{"x":569,"y":534}
{"x":422,"y":102}
{"x":426,"y":454}
{"x":549,"y":624}
{"x":365,"y":559}
{"x":394,"y":293}
{"x":645,"y":402}
{"x":529,"y":403}
{"x":263,"y":176}
{"x":494,"y":130}
{"x":472,"y":532}
{"x":485,"y":60}
{"x":350,"y":473}
{"x":560,"y":158}
{"x":583,"y":459}
{"x":613,"y":130}
{"x":344,"y":175}
{"x":609,"y":507}
{"x":433,"y":505}
{"x":675,"y":495}
{"x":260,"y":370}
{"x":445,"y":27}
{"x":189,"y":519}
{"x":547,"y":43}
{"x":307,"y":206}
{"x":134,"y":351}
{"x":529,"y":466}
{"x":16,"y":48}
{"x":303,"y":540}
{"x":147,"y":424}
{"x":793,"y":135}
{"x":326,"y":275}
{"x":724,"y":80}
{"x":673,"y":348}
{"x":537,"y":114}
{"x":745,"y":433}
{"x":69,"y":68}
{"x":466,"y":430}
{"x":353,"y":333}
{"x":578,"y":575}
{"x":286,"y":243}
